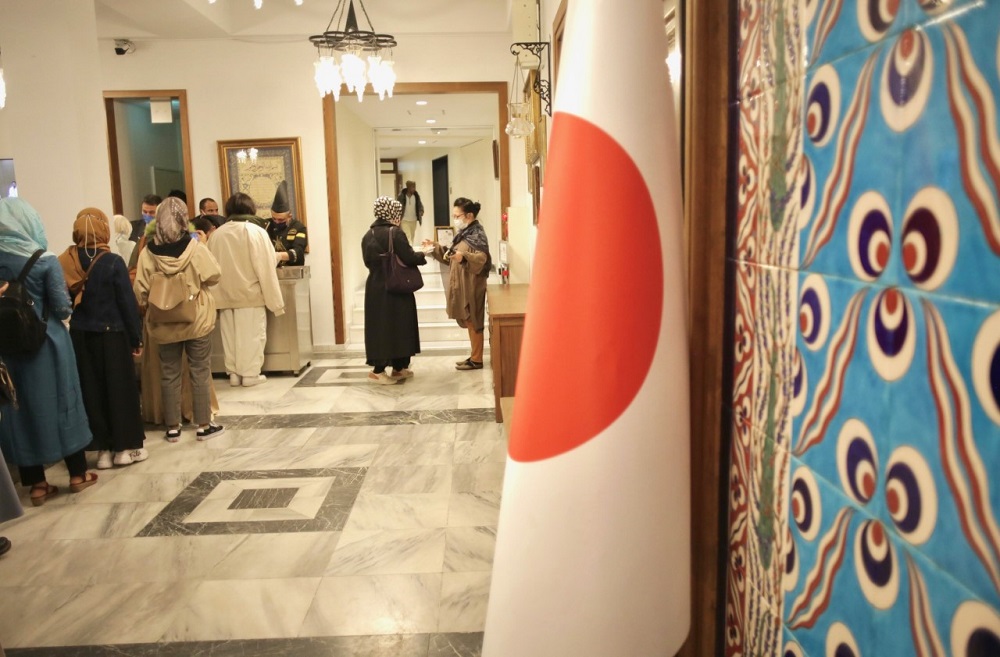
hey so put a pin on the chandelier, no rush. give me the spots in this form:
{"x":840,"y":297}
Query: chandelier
{"x":340,"y":54}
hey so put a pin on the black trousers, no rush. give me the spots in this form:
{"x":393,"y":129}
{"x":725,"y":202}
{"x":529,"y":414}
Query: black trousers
{"x":397,"y":364}
{"x":76,"y":463}
{"x":107,"y":380}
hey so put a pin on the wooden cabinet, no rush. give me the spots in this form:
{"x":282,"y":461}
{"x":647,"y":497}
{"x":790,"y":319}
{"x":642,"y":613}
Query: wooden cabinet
{"x":506,"y":304}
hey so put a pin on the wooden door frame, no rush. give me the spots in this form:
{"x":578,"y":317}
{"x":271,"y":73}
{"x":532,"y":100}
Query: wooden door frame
{"x":115,"y":168}
{"x":333,"y":171}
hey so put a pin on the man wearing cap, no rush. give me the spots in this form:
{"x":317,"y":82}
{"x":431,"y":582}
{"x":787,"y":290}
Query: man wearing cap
{"x":413,"y":209}
{"x":287,"y":234}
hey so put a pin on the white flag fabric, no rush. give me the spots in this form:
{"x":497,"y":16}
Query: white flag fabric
{"x":593,"y":546}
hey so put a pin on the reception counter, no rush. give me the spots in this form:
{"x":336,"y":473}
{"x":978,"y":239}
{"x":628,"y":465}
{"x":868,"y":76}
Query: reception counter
{"x":289,"y":337}
{"x":506,"y":304}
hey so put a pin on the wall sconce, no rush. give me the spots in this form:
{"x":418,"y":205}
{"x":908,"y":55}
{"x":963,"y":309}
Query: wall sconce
{"x":542,"y":86}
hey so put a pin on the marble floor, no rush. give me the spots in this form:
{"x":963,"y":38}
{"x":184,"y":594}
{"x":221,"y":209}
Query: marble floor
{"x":333,"y":517}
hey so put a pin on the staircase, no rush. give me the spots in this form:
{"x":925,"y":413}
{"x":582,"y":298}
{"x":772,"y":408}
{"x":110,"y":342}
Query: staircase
{"x":436,"y":330}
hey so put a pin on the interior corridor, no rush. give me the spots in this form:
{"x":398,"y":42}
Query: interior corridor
{"x":333,"y":517}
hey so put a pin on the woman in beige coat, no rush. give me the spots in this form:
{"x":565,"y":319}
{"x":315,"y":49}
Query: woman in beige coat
{"x":469,"y":257}
{"x":174,"y":253}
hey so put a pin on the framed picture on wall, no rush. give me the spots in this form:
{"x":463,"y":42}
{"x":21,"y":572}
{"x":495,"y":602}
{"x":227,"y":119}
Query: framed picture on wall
{"x":257,"y":166}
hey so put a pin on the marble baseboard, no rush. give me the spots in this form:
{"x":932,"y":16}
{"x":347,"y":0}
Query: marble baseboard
{"x":407,"y":645}
{"x":357,"y":418}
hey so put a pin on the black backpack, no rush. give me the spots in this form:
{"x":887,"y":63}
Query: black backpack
{"x":22,"y":333}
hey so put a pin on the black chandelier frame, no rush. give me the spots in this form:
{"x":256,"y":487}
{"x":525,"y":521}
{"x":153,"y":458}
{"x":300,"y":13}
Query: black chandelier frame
{"x":351,"y":38}
{"x":542,"y":86}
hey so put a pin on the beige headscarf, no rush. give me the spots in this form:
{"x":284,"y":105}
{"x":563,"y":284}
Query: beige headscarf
{"x":171,"y":220}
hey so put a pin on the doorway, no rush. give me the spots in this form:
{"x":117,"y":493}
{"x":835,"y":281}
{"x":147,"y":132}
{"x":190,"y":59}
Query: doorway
{"x":439,"y":173}
{"x":149,"y":147}
{"x":497,"y":89}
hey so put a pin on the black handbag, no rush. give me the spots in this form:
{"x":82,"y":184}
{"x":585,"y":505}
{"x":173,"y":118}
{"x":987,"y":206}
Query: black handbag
{"x":400,"y":278}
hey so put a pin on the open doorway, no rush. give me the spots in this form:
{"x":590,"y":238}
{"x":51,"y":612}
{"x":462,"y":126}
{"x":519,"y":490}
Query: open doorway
{"x":492,"y":176}
{"x":148,"y":147}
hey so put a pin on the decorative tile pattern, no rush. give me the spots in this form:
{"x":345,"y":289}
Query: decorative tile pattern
{"x":322,"y":501}
{"x":866,"y":400}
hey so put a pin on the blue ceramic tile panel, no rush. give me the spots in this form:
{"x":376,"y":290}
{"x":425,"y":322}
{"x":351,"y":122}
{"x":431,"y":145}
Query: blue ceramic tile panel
{"x":791,"y":647}
{"x":849,"y":221}
{"x":950,"y":210}
{"x":920,"y":12}
{"x":839,"y":27}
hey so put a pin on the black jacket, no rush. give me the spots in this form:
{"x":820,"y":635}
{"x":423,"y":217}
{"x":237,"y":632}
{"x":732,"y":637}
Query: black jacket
{"x":292,"y":236}
{"x":108,"y":303}
{"x":403,"y":198}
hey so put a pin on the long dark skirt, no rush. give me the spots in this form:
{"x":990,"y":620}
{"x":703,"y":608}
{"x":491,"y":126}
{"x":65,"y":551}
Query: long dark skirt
{"x":107,"y":378}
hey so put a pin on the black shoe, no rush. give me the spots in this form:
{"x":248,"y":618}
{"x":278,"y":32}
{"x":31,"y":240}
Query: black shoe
{"x":4,"y":545}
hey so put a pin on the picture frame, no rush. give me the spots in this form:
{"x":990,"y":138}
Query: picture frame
{"x":536,"y":192}
{"x":443,"y":235}
{"x":277,"y":159}
{"x":535,"y":143}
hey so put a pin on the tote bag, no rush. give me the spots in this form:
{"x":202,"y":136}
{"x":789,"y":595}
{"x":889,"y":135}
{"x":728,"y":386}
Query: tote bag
{"x":400,"y":278}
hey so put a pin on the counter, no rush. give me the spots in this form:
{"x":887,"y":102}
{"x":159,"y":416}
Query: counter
{"x":506,"y":305}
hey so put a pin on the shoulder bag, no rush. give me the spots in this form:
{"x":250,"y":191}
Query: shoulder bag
{"x":400,"y":278}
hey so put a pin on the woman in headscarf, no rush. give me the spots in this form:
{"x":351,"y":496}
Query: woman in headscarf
{"x":174,"y":253}
{"x":107,"y":334}
{"x":469,"y":257}
{"x":50,"y":423}
{"x":391,"y":331}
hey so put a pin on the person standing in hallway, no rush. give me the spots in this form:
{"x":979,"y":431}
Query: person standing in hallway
{"x":149,"y":203}
{"x":208,"y":206}
{"x":107,"y":335}
{"x":247,"y":291}
{"x":173,"y":253}
{"x":469,"y":260}
{"x":413,"y":209}
{"x":50,"y":423}
{"x":392,"y":335}
{"x":286,"y":233}
{"x":121,"y":230}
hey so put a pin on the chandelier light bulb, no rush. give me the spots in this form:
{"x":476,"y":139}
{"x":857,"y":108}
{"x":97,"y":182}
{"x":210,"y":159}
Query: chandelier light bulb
{"x":258,"y":4}
{"x":3,"y":90}
{"x":241,"y":155}
{"x":328,"y":78}
{"x":253,"y":154}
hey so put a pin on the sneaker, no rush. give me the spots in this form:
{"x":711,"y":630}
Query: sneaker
{"x":103,"y":459}
{"x":173,"y":435}
{"x":469,"y":365}
{"x":235,"y":380}
{"x":382,"y":379}
{"x":404,"y":373}
{"x":131,"y":456}
{"x":211,"y":431}
{"x":250,"y":381}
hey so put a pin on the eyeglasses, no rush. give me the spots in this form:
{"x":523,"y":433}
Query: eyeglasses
{"x":459,"y":216}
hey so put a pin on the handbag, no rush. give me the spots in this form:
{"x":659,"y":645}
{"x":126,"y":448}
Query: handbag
{"x":400,"y":278}
{"x":169,"y":300}
{"x":8,"y":393}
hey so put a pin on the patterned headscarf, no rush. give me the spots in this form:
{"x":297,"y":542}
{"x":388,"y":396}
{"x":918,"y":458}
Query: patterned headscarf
{"x":384,"y":208}
{"x":171,"y":220}
{"x":21,"y":230}
{"x":91,"y":230}
{"x":397,"y":218}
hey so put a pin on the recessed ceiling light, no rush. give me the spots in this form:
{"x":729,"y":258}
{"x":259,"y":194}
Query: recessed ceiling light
{"x":421,"y":102}
{"x":422,"y":142}
{"x":431,"y":120}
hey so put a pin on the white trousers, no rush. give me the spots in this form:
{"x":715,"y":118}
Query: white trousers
{"x":409,"y":228}
{"x":244,"y":332}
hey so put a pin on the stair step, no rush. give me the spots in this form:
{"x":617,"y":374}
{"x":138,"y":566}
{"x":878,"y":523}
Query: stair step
{"x":425,"y":314}
{"x":430,"y":332}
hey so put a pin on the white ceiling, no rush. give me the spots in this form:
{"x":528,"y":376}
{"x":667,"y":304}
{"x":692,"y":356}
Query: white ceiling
{"x":461,"y":118}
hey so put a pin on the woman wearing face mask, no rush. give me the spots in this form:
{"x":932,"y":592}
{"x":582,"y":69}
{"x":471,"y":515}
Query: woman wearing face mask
{"x":469,"y":257}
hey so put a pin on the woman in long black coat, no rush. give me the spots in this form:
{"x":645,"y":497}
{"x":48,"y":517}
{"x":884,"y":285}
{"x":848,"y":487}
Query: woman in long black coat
{"x":391,"y":332}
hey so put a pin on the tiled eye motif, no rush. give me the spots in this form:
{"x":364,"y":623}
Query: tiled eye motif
{"x":800,"y":385}
{"x":790,"y":578}
{"x":806,"y":510}
{"x":906,"y":80}
{"x":910,"y":495}
{"x":891,"y":334}
{"x":807,"y":191}
{"x":930,"y":238}
{"x":876,"y":565}
{"x":869,"y":236}
{"x":857,"y":462}
{"x":792,"y":649}
{"x":840,"y":642}
{"x":934,"y":6}
{"x":986,"y":366}
{"x":975,"y":630}
{"x":823,"y":105}
{"x":875,"y":17}
{"x":814,"y":312}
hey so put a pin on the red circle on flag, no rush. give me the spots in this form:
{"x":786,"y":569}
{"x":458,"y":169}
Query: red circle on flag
{"x":596,"y":299}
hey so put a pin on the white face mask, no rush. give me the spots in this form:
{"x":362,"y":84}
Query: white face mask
{"x":457,"y":224}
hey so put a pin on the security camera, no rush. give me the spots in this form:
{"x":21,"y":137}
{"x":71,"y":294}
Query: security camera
{"x":124,"y":46}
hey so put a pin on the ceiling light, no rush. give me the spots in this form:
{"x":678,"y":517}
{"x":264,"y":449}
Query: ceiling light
{"x":422,"y":142}
{"x":421,"y":102}
{"x":431,"y":121}
{"x":350,"y":44}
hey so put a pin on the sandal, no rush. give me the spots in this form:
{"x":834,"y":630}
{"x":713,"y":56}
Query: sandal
{"x":173,"y":435}
{"x":50,"y":491}
{"x":89,"y":479}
